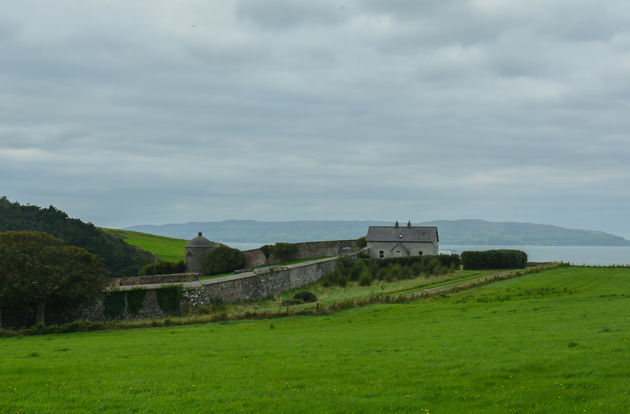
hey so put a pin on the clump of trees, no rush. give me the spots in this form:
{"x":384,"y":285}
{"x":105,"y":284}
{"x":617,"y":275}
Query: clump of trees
{"x":494,"y":259}
{"x":120,"y":258}
{"x":37,"y":269}
{"x":223,"y":259}
{"x":366,"y":270}
{"x":162,"y":268}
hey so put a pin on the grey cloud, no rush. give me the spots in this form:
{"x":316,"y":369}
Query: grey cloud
{"x":283,"y":14}
{"x":297,"y":110}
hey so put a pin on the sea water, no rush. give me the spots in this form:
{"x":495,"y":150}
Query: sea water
{"x":577,"y":255}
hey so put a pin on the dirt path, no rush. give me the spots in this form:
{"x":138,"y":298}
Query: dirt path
{"x":462,"y":284}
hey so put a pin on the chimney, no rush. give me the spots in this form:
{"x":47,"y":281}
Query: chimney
{"x":409,"y":224}
{"x":199,"y":234}
{"x":396,"y":224}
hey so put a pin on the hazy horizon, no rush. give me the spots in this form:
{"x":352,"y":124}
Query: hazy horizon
{"x":169,"y":112}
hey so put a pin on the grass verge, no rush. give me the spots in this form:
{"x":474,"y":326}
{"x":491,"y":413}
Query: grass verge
{"x":555,"y":341}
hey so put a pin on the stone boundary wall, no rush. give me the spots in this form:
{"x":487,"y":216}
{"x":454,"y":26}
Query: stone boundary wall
{"x":324,"y":248}
{"x":154,"y":279}
{"x":254,"y":257}
{"x":304,"y":250}
{"x":242,"y":287}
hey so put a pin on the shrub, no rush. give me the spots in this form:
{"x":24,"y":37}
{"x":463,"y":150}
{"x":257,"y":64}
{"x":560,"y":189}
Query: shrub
{"x":217,"y":304}
{"x":203,"y":310}
{"x":266,"y":249}
{"x":365,"y":279}
{"x":114,"y":304}
{"x":344,"y":264}
{"x":451,"y":261}
{"x":284,"y":251}
{"x":305,"y":296}
{"x":292,"y":301}
{"x":357,"y":269}
{"x":70,"y":327}
{"x":224,"y":259}
{"x":169,"y":298}
{"x":162,"y":268}
{"x":361,"y":243}
{"x":135,"y":299}
{"x":494,"y":259}
{"x":95,"y":326}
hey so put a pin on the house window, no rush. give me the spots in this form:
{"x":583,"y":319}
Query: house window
{"x":420,"y":253}
{"x":397,"y":253}
{"x":381,"y":254}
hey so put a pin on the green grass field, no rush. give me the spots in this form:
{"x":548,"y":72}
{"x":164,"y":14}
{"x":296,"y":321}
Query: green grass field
{"x":555,"y":341}
{"x":165,"y":248}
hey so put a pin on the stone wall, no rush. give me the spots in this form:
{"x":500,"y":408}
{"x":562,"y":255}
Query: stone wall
{"x":324,"y":248}
{"x":254,"y":257}
{"x":253,"y":285}
{"x":258,"y":285}
{"x":153,"y":279}
{"x":304,"y":250}
{"x":242,"y":287}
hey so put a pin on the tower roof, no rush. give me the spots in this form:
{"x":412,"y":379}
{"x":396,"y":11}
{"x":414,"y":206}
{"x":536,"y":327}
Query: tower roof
{"x":200,"y":241}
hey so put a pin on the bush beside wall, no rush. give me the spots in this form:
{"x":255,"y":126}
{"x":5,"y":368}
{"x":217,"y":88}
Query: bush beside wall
{"x":162,"y":268}
{"x":366,"y":270}
{"x":135,"y":299}
{"x":224,"y":259}
{"x":114,"y":304}
{"x":169,"y":298}
{"x":494,"y":259}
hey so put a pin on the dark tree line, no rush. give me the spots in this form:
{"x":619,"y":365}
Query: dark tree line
{"x":37,"y":269}
{"x":121,"y":259}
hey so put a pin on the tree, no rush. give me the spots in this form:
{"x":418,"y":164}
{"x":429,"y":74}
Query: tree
{"x":8,"y":281}
{"x":224,"y":259}
{"x":120,"y":258}
{"x":36,"y":267}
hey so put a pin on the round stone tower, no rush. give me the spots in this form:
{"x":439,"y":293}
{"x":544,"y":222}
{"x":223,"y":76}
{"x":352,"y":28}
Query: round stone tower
{"x":196,"y":251}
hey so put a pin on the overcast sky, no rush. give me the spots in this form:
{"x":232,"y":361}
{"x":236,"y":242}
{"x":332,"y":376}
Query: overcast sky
{"x":153,"y":112}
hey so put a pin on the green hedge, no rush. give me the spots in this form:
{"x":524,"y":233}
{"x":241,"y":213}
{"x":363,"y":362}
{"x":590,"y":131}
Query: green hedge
{"x":494,"y":259}
{"x":114,"y":304}
{"x":366,"y":270}
{"x":135,"y":299}
{"x":162,"y":268}
{"x":224,"y":259}
{"x":446,"y":260}
{"x":117,"y":301}
{"x":284,"y":252}
{"x":169,"y":298}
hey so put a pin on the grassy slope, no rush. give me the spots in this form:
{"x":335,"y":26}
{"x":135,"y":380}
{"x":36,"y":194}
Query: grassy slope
{"x":166,"y":248}
{"x":550,"y":342}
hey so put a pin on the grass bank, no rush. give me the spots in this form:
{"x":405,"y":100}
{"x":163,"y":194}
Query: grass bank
{"x":165,"y":248}
{"x":555,"y":341}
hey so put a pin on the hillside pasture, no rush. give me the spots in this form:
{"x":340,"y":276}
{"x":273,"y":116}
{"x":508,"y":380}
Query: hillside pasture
{"x":164,"y":248}
{"x":555,"y":341}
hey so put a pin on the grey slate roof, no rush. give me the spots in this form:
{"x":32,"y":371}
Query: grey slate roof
{"x":409,"y":234}
{"x":200,"y":241}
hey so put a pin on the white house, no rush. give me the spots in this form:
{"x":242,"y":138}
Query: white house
{"x":399,"y":241}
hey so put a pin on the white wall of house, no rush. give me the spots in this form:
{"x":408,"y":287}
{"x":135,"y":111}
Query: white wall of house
{"x":401,"y":249}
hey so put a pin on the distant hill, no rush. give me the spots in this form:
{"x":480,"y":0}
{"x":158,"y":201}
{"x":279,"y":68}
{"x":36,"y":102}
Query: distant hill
{"x":120,"y":258}
{"x":480,"y":232}
{"x":472,"y":232}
